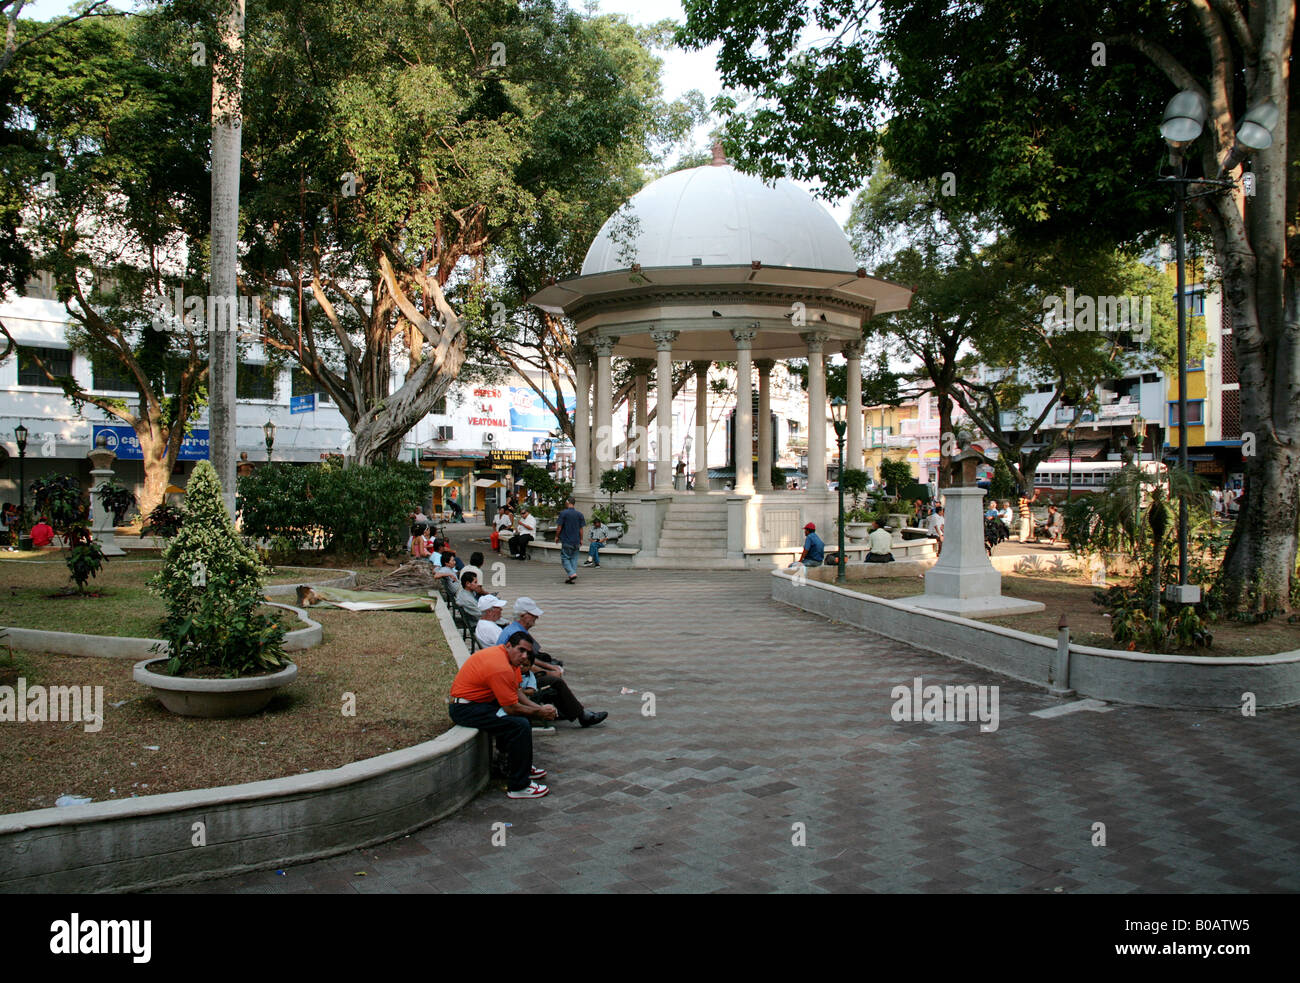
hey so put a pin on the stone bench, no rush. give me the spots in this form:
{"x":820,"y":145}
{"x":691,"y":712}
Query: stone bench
{"x":613,"y":556}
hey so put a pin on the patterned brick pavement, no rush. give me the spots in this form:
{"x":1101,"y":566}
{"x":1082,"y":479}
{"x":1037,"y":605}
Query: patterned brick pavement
{"x":767,"y":717}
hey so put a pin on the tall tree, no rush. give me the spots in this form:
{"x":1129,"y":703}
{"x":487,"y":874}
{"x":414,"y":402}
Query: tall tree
{"x":392,"y":147}
{"x":116,"y":114}
{"x":1045,"y":113}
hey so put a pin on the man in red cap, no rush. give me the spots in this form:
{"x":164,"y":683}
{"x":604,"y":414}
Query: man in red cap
{"x":814,"y":550}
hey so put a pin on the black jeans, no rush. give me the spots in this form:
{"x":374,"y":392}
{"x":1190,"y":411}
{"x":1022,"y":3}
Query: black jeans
{"x":514,"y":737}
{"x":519,"y":546}
{"x":553,"y":689}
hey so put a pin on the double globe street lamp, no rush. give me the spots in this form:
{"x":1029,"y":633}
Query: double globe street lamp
{"x":1183,"y":122}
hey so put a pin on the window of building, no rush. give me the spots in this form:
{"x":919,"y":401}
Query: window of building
{"x":1194,"y":414}
{"x":304,"y":384}
{"x":793,"y":425}
{"x":58,"y":360}
{"x":255,"y":380}
{"x":110,"y":375}
{"x":440,"y":407}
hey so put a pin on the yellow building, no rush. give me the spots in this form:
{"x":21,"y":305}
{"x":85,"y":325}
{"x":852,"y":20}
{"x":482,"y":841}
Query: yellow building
{"x":885,"y":435}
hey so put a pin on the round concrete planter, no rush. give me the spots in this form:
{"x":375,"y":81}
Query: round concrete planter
{"x":213,"y":697}
{"x":857,"y":532}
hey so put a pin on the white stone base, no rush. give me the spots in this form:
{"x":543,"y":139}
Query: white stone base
{"x":974,"y":607}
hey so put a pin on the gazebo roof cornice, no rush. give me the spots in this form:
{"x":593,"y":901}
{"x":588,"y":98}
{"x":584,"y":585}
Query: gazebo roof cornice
{"x":626,"y":287}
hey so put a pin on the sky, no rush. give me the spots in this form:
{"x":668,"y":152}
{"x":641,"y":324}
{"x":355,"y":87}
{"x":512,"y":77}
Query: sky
{"x":682,"y":71}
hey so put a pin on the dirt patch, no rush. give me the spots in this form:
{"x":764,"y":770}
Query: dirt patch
{"x":1089,"y":625}
{"x":395,"y":665}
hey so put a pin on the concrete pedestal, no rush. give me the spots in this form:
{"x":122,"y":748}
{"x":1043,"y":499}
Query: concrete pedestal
{"x":102,"y":521}
{"x":963,"y":581}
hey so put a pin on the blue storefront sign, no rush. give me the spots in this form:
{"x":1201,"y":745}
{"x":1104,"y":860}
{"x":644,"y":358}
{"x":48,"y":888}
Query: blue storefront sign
{"x":302,"y":404}
{"x":126,"y":445}
{"x":528,"y":412}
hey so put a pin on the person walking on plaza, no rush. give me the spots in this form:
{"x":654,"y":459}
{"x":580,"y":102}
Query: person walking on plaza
{"x":814,"y":550}
{"x":486,"y":695}
{"x":568,"y":533}
{"x":599,"y":538}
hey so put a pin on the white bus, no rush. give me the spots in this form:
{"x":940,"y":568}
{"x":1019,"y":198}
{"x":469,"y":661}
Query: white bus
{"x":1087,"y":476}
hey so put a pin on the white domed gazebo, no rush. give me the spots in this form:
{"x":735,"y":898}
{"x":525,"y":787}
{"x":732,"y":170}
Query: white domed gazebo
{"x":710,"y":264}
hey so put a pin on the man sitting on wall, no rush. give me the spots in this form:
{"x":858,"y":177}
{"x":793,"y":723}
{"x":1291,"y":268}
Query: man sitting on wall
{"x":487,"y":631}
{"x":486,"y":695}
{"x":814,"y":550}
{"x":525,"y":533}
{"x":550,"y":688}
{"x":881,"y":542}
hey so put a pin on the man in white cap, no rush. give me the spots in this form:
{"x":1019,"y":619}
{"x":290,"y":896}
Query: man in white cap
{"x":487,"y":630}
{"x":549,"y":674}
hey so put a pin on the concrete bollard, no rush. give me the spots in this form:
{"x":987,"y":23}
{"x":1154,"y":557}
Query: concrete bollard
{"x":1060,"y":681}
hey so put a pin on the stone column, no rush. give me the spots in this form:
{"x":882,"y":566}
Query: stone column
{"x":581,"y":421}
{"x":744,"y":430}
{"x":701,"y":427}
{"x":853,"y":414}
{"x":604,"y":437}
{"x":815,"y":341}
{"x":664,"y":408}
{"x":641,"y":443}
{"x":763,"y":480}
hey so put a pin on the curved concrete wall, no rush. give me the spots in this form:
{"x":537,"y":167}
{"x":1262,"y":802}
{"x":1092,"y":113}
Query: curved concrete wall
{"x":131,"y":844}
{"x":1175,"y":681}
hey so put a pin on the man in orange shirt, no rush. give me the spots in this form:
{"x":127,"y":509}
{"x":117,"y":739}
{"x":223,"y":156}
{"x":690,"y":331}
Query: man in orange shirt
{"x":485,"y":695}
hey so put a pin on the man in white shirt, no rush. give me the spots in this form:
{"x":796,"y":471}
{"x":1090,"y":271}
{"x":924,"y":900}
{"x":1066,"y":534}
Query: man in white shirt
{"x":525,"y":533}
{"x":881,"y":541}
{"x":487,"y":630}
{"x":934,"y":524}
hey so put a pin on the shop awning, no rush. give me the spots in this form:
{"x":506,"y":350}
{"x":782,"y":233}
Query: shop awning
{"x":441,"y":482}
{"x":487,"y":483}
{"x":174,"y":490}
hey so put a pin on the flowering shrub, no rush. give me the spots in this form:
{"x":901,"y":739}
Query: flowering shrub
{"x":211,"y":583}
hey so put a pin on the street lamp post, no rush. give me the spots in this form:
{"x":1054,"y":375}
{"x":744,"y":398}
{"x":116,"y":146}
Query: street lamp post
{"x":20,"y":436}
{"x":268,"y":428}
{"x":1183,"y":122}
{"x":841,"y":425}
{"x":1139,"y":428}
{"x":1069,"y":468}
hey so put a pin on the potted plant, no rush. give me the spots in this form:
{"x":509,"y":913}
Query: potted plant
{"x":116,"y":498}
{"x":857,"y":523}
{"x":165,"y":521}
{"x":223,"y":658}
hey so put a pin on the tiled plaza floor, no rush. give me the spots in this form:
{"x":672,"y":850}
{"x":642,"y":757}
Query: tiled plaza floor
{"x":770,"y":723}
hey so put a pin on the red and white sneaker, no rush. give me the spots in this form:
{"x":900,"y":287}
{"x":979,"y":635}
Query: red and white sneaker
{"x":536,"y":773}
{"x":533,"y":791}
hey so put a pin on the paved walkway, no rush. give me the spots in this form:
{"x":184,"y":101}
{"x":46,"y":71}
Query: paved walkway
{"x":771,"y":723}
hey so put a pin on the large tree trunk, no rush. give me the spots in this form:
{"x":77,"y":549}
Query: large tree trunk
{"x":945,"y":446}
{"x":378,"y":432}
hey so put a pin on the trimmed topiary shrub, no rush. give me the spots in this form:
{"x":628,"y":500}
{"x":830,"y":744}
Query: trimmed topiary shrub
{"x":211,"y":583}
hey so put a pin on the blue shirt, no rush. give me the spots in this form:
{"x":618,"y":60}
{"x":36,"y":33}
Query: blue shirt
{"x":569,"y":524}
{"x":509,"y":631}
{"x":815,"y":547}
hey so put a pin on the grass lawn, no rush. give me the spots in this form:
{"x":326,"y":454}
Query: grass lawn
{"x":1089,"y":625}
{"x":29,"y":596}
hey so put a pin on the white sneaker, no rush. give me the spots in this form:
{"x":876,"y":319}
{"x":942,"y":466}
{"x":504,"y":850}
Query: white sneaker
{"x":533,"y":791}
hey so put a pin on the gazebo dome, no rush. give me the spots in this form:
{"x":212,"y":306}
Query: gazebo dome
{"x":716,"y":216}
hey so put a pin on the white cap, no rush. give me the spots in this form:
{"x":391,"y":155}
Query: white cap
{"x":489,"y":601}
{"x":526,"y":605}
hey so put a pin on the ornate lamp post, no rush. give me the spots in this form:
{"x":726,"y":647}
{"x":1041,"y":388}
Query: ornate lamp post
{"x":268,"y":428}
{"x":1139,"y":428}
{"x":841,"y":425}
{"x":1183,"y":122}
{"x":20,"y":436}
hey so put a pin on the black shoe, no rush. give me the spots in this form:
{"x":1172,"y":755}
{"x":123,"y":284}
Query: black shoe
{"x":590,"y":719}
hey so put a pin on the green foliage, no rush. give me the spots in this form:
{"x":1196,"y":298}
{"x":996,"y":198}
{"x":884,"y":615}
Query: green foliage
{"x":610,"y":513}
{"x":117,"y":499}
{"x":1139,"y":622}
{"x":617,"y":480}
{"x":164,"y":520}
{"x":895,"y":475}
{"x":358,"y":509}
{"x":1003,"y":486}
{"x":211,"y":583}
{"x":854,"y":481}
{"x":59,"y":498}
{"x":85,"y":556}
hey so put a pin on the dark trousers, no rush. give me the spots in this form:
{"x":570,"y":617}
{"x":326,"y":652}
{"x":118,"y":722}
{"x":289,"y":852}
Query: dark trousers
{"x":553,"y":689}
{"x":514,"y":737}
{"x":519,"y":546}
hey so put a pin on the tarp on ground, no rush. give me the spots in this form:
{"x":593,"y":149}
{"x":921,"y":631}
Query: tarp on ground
{"x":368,"y":600}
